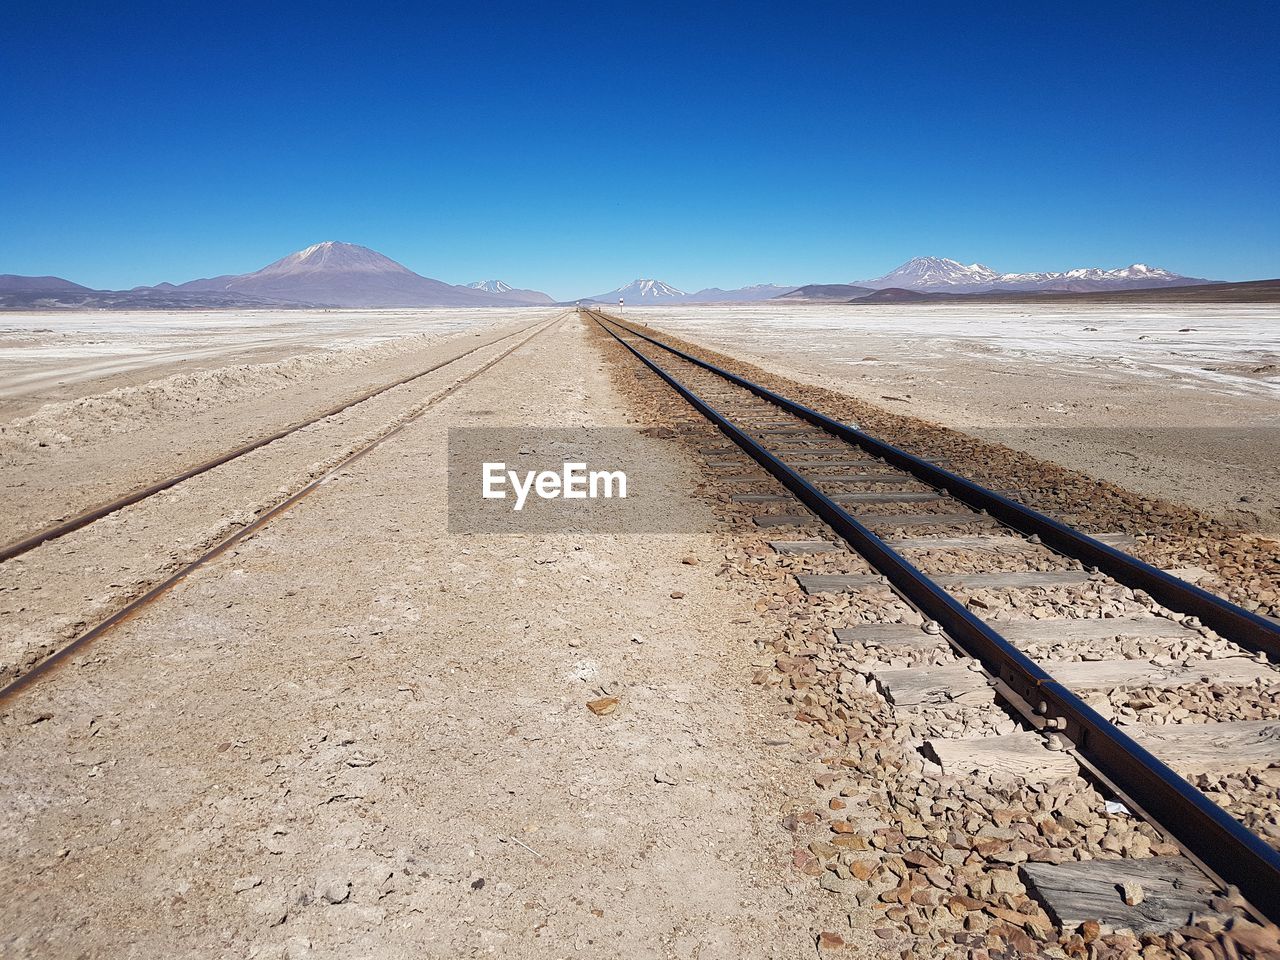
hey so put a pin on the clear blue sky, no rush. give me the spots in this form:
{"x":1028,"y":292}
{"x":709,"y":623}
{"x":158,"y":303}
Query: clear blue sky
{"x":573,"y":147}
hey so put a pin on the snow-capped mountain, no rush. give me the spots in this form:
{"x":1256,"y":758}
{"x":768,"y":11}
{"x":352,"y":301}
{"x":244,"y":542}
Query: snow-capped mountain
{"x":1134,"y":275}
{"x":932,"y":273}
{"x":642,"y":291}
{"x":490,"y":286}
{"x":655,"y":291}
{"x":938,"y":274}
{"x":509,"y":294}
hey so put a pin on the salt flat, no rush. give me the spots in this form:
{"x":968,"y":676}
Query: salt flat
{"x":115,"y":401}
{"x":1171,"y":400}
{"x":58,"y":356}
{"x":1178,"y":401}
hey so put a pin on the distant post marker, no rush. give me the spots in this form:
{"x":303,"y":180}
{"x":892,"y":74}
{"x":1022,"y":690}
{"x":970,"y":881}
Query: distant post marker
{"x":619,"y":306}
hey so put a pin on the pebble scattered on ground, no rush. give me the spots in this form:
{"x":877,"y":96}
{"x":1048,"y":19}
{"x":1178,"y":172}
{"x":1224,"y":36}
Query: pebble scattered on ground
{"x":927,"y":862}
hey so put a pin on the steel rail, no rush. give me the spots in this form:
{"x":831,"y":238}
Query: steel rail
{"x":134,"y":606}
{"x":1250,"y":630}
{"x":1206,"y":831}
{"x":82,"y":520}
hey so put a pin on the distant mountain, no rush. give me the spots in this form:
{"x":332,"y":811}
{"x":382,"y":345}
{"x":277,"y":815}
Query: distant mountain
{"x":938,"y":274}
{"x":13,"y":283}
{"x":760,"y":291}
{"x":329,"y":274}
{"x":1094,"y":279}
{"x":344,"y":275}
{"x":347,"y":275}
{"x":1244,"y":291}
{"x":901,"y":295}
{"x":834,"y":292}
{"x":655,"y":291}
{"x":642,"y":291}
{"x":54,"y":293}
{"x":928,"y":273}
{"x":513,"y":294}
{"x":490,"y":286}
{"x":208,"y":284}
{"x":165,"y":297}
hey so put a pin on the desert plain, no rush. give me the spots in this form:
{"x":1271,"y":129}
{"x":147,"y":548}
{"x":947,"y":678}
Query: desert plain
{"x":357,"y":734}
{"x":1177,"y":401}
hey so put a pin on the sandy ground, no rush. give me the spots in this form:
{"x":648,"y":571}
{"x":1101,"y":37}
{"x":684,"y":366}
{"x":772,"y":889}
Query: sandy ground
{"x":129,"y":429}
{"x":1179,"y":402}
{"x":357,"y":735}
{"x":59,"y":356}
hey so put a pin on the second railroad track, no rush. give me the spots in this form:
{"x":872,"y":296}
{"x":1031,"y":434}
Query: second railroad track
{"x":808,"y":476}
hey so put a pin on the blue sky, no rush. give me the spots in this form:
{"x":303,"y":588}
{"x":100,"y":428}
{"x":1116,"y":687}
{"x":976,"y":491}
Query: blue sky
{"x":572,"y":147}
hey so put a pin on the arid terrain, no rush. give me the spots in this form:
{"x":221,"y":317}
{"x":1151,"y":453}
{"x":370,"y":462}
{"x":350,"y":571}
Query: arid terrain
{"x":323,"y":742}
{"x":808,"y":490}
{"x":66,"y":354}
{"x":1180,"y":401}
{"x":358,"y":733}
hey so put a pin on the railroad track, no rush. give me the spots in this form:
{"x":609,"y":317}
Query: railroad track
{"x":83,"y":518}
{"x":798,"y":476}
{"x":87,"y":636}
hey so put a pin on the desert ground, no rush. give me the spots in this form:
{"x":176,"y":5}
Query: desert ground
{"x":61,"y":356}
{"x":325,"y":743}
{"x":356,"y":733}
{"x":1175,"y":401}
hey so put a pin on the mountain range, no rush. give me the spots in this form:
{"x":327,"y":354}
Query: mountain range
{"x":921,"y":278}
{"x":328,"y":274}
{"x":644,"y":292}
{"x":335,"y":274}
{"x":12,"y":283}
{"x":830,"y":292}
{"x":346,"y":275}
{"x":940,"y":275}
{"x":504,"y":289}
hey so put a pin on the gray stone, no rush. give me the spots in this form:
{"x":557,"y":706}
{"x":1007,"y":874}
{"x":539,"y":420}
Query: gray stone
{"x":834,"y":884}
